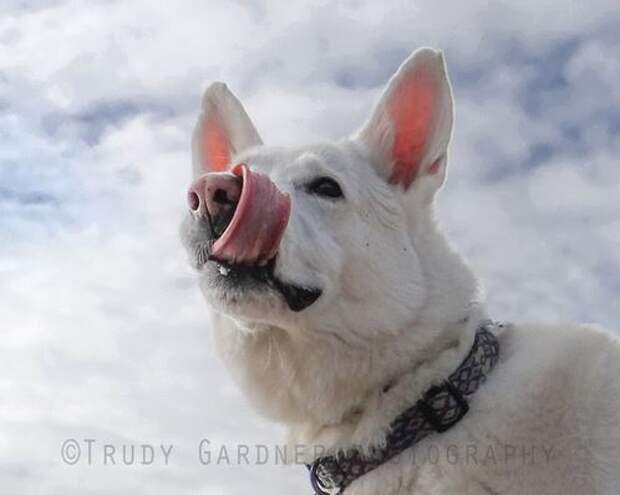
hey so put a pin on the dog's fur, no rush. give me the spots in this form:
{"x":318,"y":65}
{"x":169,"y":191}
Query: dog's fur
{"x":397,"y":314}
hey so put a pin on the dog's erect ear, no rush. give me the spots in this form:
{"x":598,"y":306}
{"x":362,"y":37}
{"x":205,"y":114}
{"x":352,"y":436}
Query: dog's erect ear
{"x":223,"y":130}
{"x":409,"y":130}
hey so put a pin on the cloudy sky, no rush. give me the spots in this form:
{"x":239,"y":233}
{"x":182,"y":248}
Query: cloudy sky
{"x":104,"y":334}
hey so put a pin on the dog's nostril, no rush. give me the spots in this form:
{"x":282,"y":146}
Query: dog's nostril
{"x":193,"y":200}
{"x":214,"y":197}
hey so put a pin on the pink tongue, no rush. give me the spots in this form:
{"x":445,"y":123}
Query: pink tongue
{"x":257,"y":227}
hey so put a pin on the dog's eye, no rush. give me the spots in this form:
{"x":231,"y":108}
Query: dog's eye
{"x":326,"y":187}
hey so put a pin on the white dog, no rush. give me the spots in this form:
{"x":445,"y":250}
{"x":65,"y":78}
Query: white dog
{"x":343,"y":312}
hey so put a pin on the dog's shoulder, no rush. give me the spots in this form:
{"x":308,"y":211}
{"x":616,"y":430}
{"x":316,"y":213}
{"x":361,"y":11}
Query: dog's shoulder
{"x":561,"y":379}
{"x":564,"y":359}
{"x":562,"y":345}
{"x":554,"y":393}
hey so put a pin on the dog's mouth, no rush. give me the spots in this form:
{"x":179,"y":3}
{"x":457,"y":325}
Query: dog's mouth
{"x":297,"y":297}
{"x":243,"y":239}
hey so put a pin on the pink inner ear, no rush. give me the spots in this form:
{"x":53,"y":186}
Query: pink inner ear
{"x":215,"y":145}
{"x":411,"y":110}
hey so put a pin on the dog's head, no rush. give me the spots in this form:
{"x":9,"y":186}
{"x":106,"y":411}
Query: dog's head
{"x":333,"y":240}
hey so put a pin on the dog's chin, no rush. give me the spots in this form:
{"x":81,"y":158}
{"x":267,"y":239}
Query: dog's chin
{"x":253,"y":293}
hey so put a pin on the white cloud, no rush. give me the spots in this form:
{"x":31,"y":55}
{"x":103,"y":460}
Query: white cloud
{"x":104,"y":333}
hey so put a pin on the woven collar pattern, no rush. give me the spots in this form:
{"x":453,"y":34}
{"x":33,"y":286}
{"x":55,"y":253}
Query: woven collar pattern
{"x":440,"y":408}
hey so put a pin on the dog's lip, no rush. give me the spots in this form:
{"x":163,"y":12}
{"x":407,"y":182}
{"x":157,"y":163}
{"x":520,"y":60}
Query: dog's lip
{"x":297,"y":297}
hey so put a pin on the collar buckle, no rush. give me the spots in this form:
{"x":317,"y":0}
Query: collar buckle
{"x":443,"y":406}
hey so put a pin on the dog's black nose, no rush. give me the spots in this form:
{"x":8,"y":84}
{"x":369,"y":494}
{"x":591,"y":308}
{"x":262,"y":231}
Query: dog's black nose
{"x":215,"y":197}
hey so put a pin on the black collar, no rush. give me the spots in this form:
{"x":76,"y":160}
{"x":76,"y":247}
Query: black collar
{"x":440,"y":408}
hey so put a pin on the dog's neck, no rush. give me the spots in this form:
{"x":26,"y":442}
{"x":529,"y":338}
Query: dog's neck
{"x":333,"y":397}
{"x":365,"y":423}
